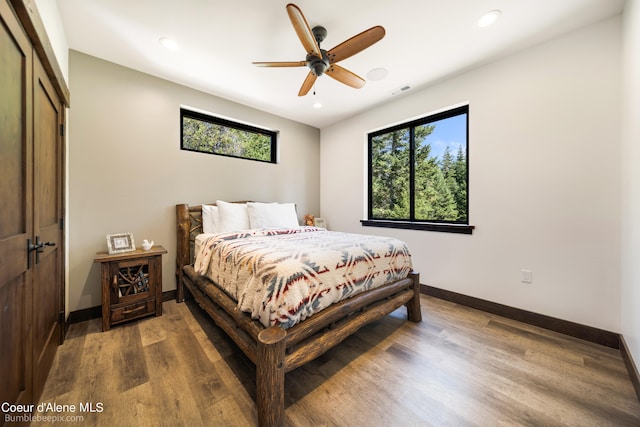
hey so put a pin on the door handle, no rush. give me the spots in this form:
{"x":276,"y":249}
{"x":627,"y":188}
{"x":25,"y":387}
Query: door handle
{"x":31,"y":247}
{"x":38,"y":246}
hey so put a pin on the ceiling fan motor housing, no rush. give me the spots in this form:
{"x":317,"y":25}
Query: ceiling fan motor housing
{"x":318,"y":65}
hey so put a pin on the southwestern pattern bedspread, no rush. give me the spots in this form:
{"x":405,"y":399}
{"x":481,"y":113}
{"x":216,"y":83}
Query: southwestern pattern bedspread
{"x":282,"y":276}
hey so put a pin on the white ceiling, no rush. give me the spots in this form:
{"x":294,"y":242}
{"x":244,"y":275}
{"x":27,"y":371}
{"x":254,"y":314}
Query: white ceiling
{"x":426,"y":41}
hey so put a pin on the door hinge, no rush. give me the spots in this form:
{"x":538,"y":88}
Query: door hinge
{"x":61,"y":222}
{"x":61,"y":317}
{"x":61,"y":129}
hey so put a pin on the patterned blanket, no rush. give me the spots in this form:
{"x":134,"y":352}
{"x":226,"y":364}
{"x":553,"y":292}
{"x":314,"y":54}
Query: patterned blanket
{"x":283,"y":276}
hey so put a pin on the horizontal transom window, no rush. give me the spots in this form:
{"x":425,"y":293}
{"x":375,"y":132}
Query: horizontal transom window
{"x":213,"y":135}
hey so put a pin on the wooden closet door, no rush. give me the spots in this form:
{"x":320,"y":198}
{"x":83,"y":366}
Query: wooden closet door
{"x":16,"y":207}
{"x":47,"y":226}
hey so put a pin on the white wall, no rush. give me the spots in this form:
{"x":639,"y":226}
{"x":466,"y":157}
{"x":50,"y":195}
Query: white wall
{"x":544,"y":179}
{"x":127,"y":171}
{"x":631,"y":179}
{"x":48,"y":11}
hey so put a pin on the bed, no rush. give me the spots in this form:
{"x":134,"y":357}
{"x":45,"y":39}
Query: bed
{"x":275,"y":337}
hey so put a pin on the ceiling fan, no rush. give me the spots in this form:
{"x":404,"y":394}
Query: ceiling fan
{"x":321,"y":61}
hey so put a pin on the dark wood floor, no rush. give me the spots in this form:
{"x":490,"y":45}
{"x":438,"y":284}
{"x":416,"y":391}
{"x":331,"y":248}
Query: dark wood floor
{"x":458,"y":367}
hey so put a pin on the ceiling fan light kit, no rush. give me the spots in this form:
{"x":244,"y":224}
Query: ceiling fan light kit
{"x":320,"y":61}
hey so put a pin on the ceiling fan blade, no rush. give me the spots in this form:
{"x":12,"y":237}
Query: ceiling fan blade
{"x":307,"y":84}
{"x":281,"y":64}
{"x":356,"y":44}
{"x":345,"y":76}
{"x":303,"y":30}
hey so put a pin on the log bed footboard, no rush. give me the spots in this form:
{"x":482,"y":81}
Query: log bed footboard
{"x":274,"y":350}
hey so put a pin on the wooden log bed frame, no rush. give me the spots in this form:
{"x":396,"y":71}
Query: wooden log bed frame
{"x":274,"y":350}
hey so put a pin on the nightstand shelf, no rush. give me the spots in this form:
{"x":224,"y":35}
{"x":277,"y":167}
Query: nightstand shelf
{"x":131,"y":285}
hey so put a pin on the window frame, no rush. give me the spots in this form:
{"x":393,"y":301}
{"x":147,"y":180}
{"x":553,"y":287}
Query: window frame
{"x":218,"y":121}
{"x":412,"y":223}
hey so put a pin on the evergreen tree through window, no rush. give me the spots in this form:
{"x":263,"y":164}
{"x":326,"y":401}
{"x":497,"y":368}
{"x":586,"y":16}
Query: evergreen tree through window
{"x":214,"y":135}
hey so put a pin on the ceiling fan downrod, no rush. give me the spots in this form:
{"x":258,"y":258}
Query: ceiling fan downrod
{"x":316,"y":64}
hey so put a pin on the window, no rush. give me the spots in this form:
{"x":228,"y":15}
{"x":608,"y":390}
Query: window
{"x":213,"y":135}
{"x":418,"y":174}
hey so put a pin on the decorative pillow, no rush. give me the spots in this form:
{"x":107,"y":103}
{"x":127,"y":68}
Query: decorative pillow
{"x":210,"y":219}
{"x":233,"y":216}
{"x":272,"y":215}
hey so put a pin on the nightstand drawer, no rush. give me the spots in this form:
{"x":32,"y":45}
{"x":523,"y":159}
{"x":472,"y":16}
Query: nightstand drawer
{"x":132,"y":311}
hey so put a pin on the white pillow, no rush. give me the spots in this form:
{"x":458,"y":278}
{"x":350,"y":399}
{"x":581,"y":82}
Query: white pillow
{"x":233,"y":216}
{"x":272,"y":215}
{"x":210,"y":219}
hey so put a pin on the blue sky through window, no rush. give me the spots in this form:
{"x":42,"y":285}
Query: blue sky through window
{"x":451,"y":132}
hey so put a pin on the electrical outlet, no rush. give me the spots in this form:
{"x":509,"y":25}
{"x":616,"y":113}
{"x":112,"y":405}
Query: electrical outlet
{"x":526,"y":276}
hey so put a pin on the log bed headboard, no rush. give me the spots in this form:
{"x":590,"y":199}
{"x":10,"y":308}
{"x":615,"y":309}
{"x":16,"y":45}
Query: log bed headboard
{"x":189,"y":223}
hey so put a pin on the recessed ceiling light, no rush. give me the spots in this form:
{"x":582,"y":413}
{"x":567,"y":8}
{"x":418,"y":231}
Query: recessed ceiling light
{"x":169,"y":43}
{"x":317,"y":105}
{"x":377,"y":74}
{"x":489,"y":18}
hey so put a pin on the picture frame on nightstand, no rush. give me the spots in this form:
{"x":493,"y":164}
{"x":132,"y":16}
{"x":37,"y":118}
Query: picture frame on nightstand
{"x":120,"y":243}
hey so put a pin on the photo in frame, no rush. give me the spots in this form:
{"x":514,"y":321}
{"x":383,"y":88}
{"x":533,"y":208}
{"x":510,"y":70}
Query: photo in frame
{"x":121,"y":242}
{"x":320,"y":222}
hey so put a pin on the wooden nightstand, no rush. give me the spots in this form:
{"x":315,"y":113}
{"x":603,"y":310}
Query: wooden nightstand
{"x":131,"y":285}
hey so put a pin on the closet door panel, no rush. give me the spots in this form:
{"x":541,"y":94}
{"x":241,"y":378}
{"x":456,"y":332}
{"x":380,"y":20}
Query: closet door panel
{"x":16,"y":220}
{"x":47,"y":185}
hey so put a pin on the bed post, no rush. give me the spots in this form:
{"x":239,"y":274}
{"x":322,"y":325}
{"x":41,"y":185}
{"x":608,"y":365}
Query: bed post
{"x":182,"y":247}
{"x":270,"y":372}
{"x":413,"y":305}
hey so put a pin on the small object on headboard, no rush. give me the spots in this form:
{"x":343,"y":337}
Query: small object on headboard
{"x":309,"y":220}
